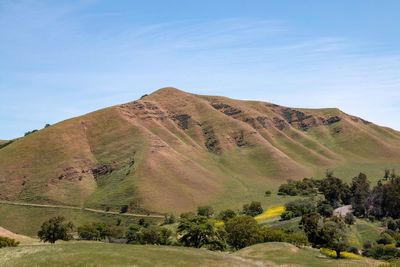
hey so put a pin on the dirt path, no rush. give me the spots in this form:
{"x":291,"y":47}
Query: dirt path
{"x":78,"y":208}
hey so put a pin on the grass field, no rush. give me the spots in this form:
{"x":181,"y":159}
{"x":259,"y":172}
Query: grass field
{"x":283,"y":254}
{"x":27,"y":220}
{"x":102,"y":254}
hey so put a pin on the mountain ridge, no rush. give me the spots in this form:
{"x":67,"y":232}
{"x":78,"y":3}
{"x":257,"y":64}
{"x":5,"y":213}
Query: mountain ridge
{"x":171,"y":151}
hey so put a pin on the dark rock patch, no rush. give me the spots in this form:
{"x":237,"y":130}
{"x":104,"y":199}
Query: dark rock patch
{"x":226,"y":109}
{"x":331,"y":120}
{"x":279,"y":123}
{"x":263,"y":121}
{"x":239,"y":139}
{"x":211,"y":141}
{"x":182,"y":120}
{"x":101,"y":170}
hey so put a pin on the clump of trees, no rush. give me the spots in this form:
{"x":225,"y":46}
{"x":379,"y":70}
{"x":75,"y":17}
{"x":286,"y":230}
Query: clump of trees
{"x":252,"y":209}
{"x":8,"y":242}
{"x":305,"y":187}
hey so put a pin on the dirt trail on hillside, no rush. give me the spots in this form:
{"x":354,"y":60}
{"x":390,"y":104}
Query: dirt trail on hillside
{"x":78,"y":208}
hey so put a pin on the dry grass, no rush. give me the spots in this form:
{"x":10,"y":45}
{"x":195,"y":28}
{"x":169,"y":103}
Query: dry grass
{"x":172,"y":170}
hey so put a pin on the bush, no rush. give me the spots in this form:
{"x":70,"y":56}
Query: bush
{"x":349,"y":218}
{"x":226,"y":215}
{"x":325,"y":209}
{"x":385,"y":239}
{"x":253,"y":209}
{"x":287,"y":215}
{"x":124,"y":209}
{"x":297,"y":238}
{"x":305,"y":187}
{"x":133,"y":234}
{"x":298,"y":208}
{"x":155,"y":235}
{"x":89,"y":232}
{"x":8,"y":242}
{"x":268,"y":193}
{"x":206,"y":211}
{"x":353,"y":250}
{"x":384,"y":252}
{"x":169,"y":219}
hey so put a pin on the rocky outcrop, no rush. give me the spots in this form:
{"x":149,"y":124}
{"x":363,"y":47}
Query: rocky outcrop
{"x":211,"y":141}
{"x":226,"y":109}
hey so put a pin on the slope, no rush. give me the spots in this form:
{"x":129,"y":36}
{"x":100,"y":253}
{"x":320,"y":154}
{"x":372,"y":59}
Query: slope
{"x":171,"y":151}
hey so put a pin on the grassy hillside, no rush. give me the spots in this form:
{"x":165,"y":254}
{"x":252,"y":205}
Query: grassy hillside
{"x":283,"y":254}
{"x":27,"y":220}
{"x":102,"y":254}
{"x":172,"y":151}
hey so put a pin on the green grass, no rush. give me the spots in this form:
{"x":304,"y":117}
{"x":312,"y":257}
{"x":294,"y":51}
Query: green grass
{"x":288,"y":255}
{"x":27,"y":220}
{"x":102,"y":254}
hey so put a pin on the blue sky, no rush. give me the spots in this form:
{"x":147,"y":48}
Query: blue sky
{"x":60,"y":59}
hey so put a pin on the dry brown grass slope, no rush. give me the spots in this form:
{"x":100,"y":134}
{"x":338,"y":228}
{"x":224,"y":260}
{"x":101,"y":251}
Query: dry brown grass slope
{"x":172,"y":151}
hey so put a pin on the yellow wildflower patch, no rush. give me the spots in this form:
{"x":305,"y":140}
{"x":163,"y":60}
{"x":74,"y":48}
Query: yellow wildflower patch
{"x":270,"y":213}
{"x":345,"y":255}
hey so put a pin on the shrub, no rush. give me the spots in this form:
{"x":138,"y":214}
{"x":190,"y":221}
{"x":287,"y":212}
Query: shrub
{"x":325,"y":209}
{"x":298,"y":208}
{"x":124,"y":209}
{"x":8,"y":242}
{"x":133,"y":234}
{"x":226,"y":215}
{"x":206,"y":211}
{"x":349,"y":218}
{"x":253,"y":209}
{"x":89,"y":232}
{"x":305,"y":187}
{"x":268,"y":193}
{"x":385,"y":239}
{"x":169,"y":219}
{"x":383,"y":252}
{"x":155,"y":235}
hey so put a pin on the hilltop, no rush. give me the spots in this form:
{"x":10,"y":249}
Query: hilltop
{"x":171,"y":151}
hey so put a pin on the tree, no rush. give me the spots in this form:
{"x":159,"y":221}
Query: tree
{"x":206,"y":211}
{"x":253,"y":209}
{"x":55,"y":229}
{"x":334,"y":236}
{"x":334,"y":190}
{"x":155,"y":235}
{"x":89,"y":232}
{"x":325,"y":209}
{"x":226,"y":215}
{"x":198,"y":232}
{"x":360,"y":192}
{"x":311,"y":224}
{"x":243,"y":231}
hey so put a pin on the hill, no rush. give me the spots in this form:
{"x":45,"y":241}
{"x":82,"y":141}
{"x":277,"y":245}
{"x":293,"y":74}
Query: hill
{"x":103,"y":254}
{"x":171,"y":151}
